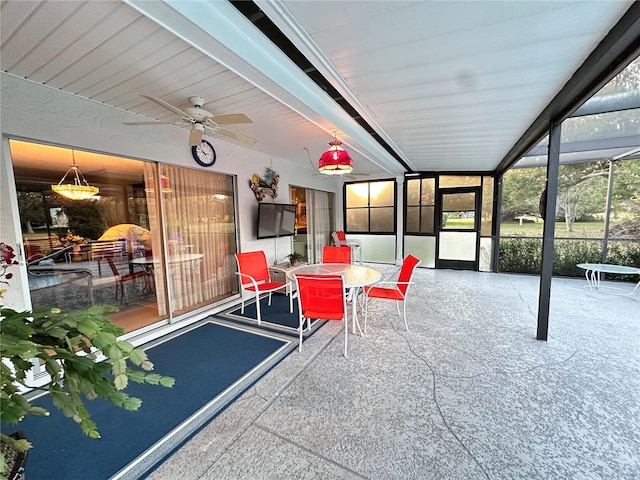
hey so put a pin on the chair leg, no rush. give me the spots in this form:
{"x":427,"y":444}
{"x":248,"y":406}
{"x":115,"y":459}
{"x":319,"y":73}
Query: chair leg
{"x":258,"y":307}
{"x":290,"y":300}
{"x":300,"y":332}
{"x":242,"y":305}
{"x":346,"y":335}
{"x":366,"y":311}
{"x":404,"y":314}
{"x":124,"y":294}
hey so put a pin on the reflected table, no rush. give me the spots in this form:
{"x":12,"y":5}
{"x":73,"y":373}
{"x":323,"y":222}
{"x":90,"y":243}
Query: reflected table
{"x":355,"y":277}
{"x":593,"y":271}
{"x":150,"y":263}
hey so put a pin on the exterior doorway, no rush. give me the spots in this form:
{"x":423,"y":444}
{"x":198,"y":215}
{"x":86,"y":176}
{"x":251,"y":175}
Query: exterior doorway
{"x":459,"y":228}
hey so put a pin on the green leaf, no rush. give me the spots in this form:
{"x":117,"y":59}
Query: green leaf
{"x":88,"y":327}
{"x":121,"y":381}
{"x":136,"y":376}
{"x":114,"y":353}
{"x":167,"y":382}
{"x":137,"y":356}
{"x":152,"y":378}
{"x":119,"y":367}
{"x":132,"y":403}
{"x":124,"y":346}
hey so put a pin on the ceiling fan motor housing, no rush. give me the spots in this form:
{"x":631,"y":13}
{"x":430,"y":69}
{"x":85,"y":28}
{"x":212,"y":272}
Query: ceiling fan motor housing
{"x":197,"y":101}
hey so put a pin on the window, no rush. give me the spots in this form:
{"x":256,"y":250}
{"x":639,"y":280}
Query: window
{"x":420,"y":212}
{"x":458,"y":211}
{"x":370,"y":207}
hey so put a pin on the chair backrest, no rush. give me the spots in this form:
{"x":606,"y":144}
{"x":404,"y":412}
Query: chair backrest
{"x":322,"y":296}
{"x":336,"y":254}
{"x":253,"y":264}
{"x":406,"y":272}
{"x":339,"y":238}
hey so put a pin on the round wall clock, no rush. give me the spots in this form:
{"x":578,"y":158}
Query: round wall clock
{"x":204,"y":154}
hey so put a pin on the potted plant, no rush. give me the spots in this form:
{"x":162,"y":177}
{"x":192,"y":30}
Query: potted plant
{"x":80,"y":351}
{"x":294,"y":258}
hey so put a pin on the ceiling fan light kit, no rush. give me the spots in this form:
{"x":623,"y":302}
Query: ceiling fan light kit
{"x":336,"y":160}
{"x":78,"y":188}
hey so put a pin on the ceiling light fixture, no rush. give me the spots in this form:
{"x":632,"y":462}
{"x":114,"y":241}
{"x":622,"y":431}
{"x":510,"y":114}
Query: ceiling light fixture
{"x":336,"y":160}
{"x":79,"y":189}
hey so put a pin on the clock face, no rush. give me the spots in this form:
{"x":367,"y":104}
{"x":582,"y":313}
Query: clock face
{"x":204,"y":154}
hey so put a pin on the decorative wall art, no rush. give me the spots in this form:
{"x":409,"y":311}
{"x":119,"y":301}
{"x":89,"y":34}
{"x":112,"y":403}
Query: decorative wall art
{"x":267,"y":185}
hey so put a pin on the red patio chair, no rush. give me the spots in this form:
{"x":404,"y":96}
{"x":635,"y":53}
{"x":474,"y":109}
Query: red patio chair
{"x":336,"y":254}
{"x":121,"y":279}
{"x":321,"y":297}
{"x":397,"y":290}
{"x":255,"y":277}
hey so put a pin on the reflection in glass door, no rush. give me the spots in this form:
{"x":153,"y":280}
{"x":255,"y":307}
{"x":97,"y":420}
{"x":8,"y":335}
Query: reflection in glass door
{"x":314,"y":222}
{"x":82,"y":251}
{"x":459,"y":228}
{"x":200,"y":238}
{"x":156,"y":242}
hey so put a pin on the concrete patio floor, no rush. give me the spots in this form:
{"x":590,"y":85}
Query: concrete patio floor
{"x":467,"y":393}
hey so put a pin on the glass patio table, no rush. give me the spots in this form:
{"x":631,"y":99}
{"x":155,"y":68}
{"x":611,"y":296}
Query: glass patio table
{"x":593,"y":271}
{"x":355,"y":277}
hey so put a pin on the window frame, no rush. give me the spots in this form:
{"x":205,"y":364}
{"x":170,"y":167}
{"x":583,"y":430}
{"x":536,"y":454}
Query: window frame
{"x":369,"y":208}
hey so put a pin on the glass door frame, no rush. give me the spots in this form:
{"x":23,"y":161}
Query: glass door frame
{"x":458,"y":264}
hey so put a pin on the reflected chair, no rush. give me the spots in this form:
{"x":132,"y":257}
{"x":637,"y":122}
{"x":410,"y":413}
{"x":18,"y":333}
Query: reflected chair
{"x":127,"y":277}
{"x":340,"y":240}
{"x":255,"y":277}
{"x":321,"y":297}
{"x":397,"y":290}
{"x":336,"y":254}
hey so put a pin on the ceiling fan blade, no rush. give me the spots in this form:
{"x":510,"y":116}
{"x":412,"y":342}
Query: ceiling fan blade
{"x":236,"y":136}
{"x":168,"y":106}
{"x":195,"y":137}
{"x":231,"y":118}
{"x":148,"y":123}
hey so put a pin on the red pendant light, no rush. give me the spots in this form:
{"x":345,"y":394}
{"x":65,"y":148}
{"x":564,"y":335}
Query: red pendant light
{"x":336,"y":160}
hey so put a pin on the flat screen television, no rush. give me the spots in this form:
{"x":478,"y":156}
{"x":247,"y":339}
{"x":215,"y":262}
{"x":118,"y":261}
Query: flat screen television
{"x":276,"y":220}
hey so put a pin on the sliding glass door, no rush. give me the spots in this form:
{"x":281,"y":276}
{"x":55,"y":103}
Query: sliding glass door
{"x":199,"y":227}
{"x":156,"y":241}
{"x":315,"y":222}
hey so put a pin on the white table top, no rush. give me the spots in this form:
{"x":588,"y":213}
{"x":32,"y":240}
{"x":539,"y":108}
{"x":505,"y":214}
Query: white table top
{"x":354,"y":275}
{"x":608,"y":268}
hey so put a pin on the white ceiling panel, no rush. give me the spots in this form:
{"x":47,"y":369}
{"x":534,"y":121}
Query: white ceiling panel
{"x":451,"y":85}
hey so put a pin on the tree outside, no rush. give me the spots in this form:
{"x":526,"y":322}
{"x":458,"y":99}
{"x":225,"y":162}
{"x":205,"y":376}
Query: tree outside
{"x":582,"y":193}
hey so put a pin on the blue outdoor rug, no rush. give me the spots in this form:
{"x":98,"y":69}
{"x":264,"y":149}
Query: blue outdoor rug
{"x":275,"y":317}
{"x":207,"y":361}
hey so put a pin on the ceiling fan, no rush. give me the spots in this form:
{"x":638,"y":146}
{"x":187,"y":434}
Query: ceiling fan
{"x":199,"y":121}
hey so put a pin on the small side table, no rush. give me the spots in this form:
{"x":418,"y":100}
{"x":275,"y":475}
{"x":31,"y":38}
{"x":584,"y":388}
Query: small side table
{"x":593,"y":271}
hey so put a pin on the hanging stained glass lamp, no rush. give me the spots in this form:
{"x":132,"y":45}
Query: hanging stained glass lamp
{"x":336,"y":160}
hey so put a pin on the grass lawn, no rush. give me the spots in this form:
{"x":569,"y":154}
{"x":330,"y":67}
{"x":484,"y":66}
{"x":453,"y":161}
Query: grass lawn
{"x":580,"y":229}
{"x":534,"y":229}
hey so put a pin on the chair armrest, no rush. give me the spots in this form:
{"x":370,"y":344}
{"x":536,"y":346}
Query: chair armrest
{"x":253,"y":280}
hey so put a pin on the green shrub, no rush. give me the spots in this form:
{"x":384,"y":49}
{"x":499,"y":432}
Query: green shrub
{"x":524,"y":255}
